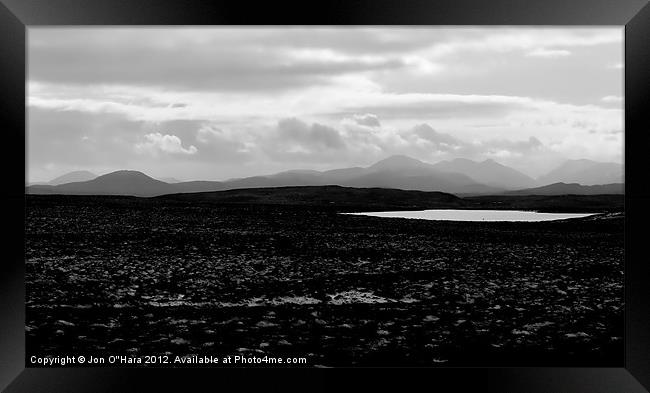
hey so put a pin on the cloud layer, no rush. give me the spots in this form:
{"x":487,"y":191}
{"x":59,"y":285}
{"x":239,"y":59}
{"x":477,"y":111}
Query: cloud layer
{"x":216,"y":103}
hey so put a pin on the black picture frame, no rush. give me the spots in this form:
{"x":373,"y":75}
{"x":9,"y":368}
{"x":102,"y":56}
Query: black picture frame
{"x":17,"y":15}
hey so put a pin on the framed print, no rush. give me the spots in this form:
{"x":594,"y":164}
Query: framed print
{"x":283,"y":195}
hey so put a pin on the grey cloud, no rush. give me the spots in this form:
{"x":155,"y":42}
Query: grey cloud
{"x":606,"y":132}
{"x":218,"y":147}
{"x":438,"y":109}
{"x":516,"y":146}
{"x":297,"y":142}
{"x":247,"y":59}
{"x":321,"y":143}
{"x":184,"y":129}
{"x":444,"y":143}
{"x":425,"y":131}
{"x":362,"y":40}
{"x":368,"y":119}
{"x":349,"y":40}
{"x":81,"y":140}
{"x":314,"y":136}
{"x":78,"y":138}
{"x":560,"y":80}
{"x":184,"y":66}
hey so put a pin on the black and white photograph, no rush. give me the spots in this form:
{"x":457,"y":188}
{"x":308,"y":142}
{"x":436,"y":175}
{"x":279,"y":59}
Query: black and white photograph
{"x":324,"y":196}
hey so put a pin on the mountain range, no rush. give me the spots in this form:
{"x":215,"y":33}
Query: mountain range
{"x":585,"y":172}
{"x":458,"y":176}
{"x":572,"y":189}
{"x":70,"y":177}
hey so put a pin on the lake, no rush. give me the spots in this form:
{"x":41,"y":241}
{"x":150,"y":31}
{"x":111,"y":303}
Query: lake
{"x":476,"y":215}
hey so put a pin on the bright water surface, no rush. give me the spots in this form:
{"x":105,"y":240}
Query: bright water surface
{"x":476,"y":215}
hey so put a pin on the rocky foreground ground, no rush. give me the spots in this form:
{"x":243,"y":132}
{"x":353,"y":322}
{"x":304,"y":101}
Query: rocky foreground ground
{"x":113,"y":276}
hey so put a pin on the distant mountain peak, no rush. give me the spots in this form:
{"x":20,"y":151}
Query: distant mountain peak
{"x":82,"y":172}
{"x":127,"y":177}
{"x":74,"y":176}
{"x":561,"y":188}
{"x":126,"y":173}
{"x":488,"y":172}
{"x":585,"y":172}
{"x":398,"y":157}
{"x":299,"y":171}
{"x":582,"y":160}
{"x":401,"y":163}
{"x":396,"y":162}
{"x":462,"y":160}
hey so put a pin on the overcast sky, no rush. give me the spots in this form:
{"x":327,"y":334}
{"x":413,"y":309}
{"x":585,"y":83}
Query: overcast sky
{"x":217,"y":103}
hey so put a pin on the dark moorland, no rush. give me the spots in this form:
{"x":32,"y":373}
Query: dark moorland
{"x":281,"y":273}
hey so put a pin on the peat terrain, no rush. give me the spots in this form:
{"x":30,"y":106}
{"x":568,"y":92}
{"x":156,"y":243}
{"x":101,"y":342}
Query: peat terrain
{"x":346,"y":199}
{"x":281,"y":273}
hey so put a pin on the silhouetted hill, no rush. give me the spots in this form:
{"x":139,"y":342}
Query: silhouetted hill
{"x":115,"y":183}
{"x":378,"y":199}
{"x":295,"y":178}
{"x":572,"y":189}
{"x":432,"y":181}
{"x":347,"y":199}
{"x":585,"y":172}
{"x":198,"y":186}
{"x":326,"y":196}
{"x":549,"y":203}
{"x":169,"y":180}
{"x":72,"y":177}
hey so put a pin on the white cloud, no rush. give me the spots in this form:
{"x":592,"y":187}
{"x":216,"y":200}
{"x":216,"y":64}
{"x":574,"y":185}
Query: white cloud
{"x":548,"y":53}
{"x":612,"y":99}
{"x":157,"y":142}
{"x":423,"y":65}
{"x":501,"y":40}
{"x":326,"y":56}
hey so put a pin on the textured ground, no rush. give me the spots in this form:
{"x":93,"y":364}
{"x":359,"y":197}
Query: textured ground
{"x":147,"y":277}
